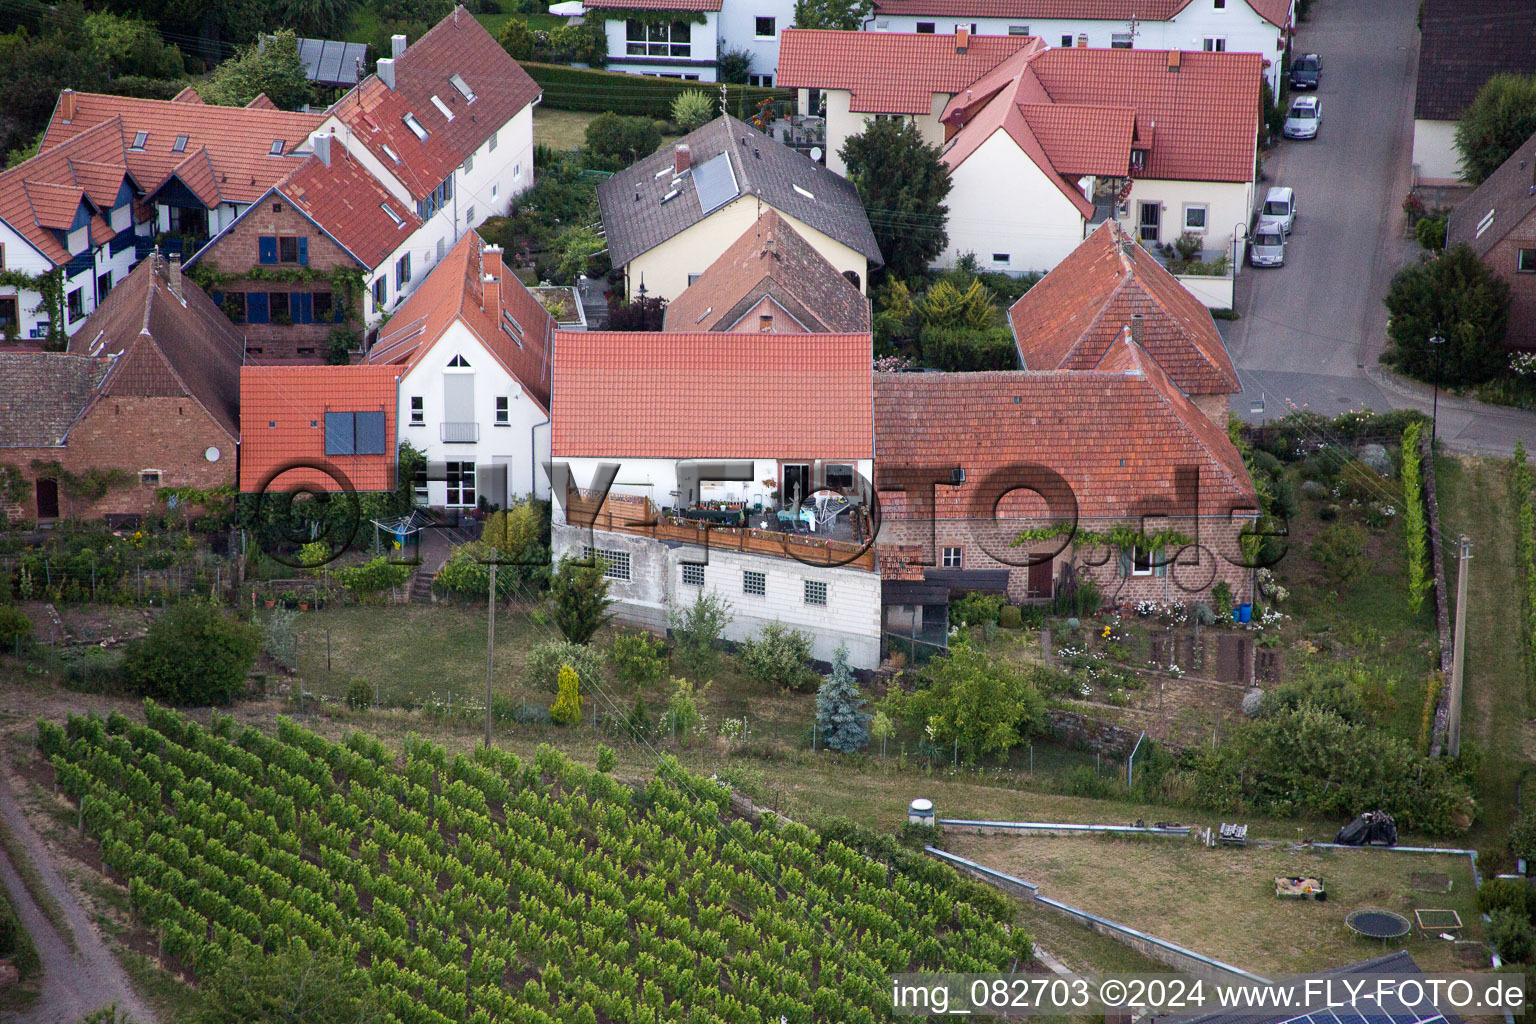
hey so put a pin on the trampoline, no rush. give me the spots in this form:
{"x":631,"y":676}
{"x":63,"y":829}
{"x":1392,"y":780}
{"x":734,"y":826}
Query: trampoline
{"x":1378,"y":924}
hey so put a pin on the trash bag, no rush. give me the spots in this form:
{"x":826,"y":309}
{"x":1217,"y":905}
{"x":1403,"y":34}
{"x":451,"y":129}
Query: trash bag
{"x":1373,"y":828}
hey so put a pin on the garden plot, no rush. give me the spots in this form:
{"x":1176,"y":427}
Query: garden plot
{"x":1221,"y":901}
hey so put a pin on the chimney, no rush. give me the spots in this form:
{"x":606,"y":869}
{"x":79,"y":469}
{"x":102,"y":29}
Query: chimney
{"x":962,"y":38}
{"x":1174,"y":56}
{"x":1082,"y":41}
{"x":682,"y":158}
{"x":386,"y":72}
{"x":67,"y":105}
{"x":491,"y":271}
{"x":173,"y":277}
{"x":322,"y":147}
{"x":396,"y":47}
{"x":1136,"y":327}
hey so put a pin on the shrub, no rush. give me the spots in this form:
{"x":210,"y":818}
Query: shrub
{"x":607,"y":760}
{"x":15,"y":943}
{"x":96,"y":670}
{"x":734,"y":67}
{"x":372,"y":578}
{"x":975,"y":608}
{"x":566,"y":709}
{"x":315,"y":554}
{"x":1457,"y":297}
{"x":777,"y":656}
{"x":1415,"y":522}
{"x":1430,"y":231}
{"x":1009,"y":617}
{"x":637,"y":657}
{"x":966,"y":349}
{"x":622,"y":140}
{"x":15,"y":627}
{"x":1504,"y":894}
{"x":683,"y":715}
{"x":692,"y":110}
{"x":1522,"y":836}
{"x":578,"y":597}
{"x":542,"y":669}
{"x":1340,"y":552}
{"x":567,"y":88}
{"x":637,"y":724}
{"x":359,"y":695}
{"x":839,"y":709}
{"x":946,"y":305}
{"x":988,"y":706}
{"x":279,"y":638}
{"x":193,"y":654}
{"x":1510,"y":935}
{"x":1221,"y":597}
{"x":696,"y":629}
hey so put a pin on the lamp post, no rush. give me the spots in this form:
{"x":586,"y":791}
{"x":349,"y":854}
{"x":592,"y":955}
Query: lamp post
{"x":1438,"y":344}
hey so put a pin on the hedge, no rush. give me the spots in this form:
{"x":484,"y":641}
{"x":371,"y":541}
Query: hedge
{"x":568,"y":88}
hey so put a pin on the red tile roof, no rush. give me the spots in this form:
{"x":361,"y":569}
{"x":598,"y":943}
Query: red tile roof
{"x":888,"y":72}
{"x":349,"y":203}
{"x":1205,"y":113}
{"x":722,"y":396}
{"x":1276,"y":12}
{"x":1081,"y":308}
{"x":1117,"y":435}
{"x":455,"y":292}
{"x":237,"y":167}
{"x":457,"y":45}
{"x":770,"y":260}
{"x":282,"y":421}
{"x":43,"y":194}
{"x":660,"y":5}
{"x":1083,"y":139}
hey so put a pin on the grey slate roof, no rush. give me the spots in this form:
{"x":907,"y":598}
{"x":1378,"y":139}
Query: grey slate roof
{"x":1462,"y":44}
{"x":761,"y":167}
{"x":1509,"y":195}
{"x":42,"y":394}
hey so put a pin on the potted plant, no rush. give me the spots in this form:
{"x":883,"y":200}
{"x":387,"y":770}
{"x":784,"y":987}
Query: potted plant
{"x":269,"y":598}
{"x":304,"y":603}
{"x":290,"y":598}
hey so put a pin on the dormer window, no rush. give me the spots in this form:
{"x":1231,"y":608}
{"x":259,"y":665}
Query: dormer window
{"x":277,"y":148}
{"x":180,"y":145}
{"x":399,"y":220}
{"x":1138,"y":160}
{"x":463,"y":87}
{"x":415,"y":127}
{"x":442,"y":108}
{"x":140,"y":139}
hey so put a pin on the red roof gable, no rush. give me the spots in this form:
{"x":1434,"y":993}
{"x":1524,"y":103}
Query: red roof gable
{"x":889,"y":72}
{"x":282,"y":421}
{"x":238,"y":165}
{"x":456,"y":47}
{"x":350,"y":205}
{"x":1080,"y":309}
{"x":1118,"y":436}
{"x":721,"y":396}
{"x":457,"y":290}
{"x":42,"y":195}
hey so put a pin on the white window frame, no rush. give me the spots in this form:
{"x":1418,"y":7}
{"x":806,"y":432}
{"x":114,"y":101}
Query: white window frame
{"x":1018,"y":30}
{"x":659,"y":39}
{"x":1205,"y":212}
{"x":1151,"y":557}
{"x":144,"y":474}
{"x":773,"y":23}
{"x":503,"y":411}
{"x":952,"y":558}
{"x":418,"y":411}
{"x":1121,"y":41}
{"x":1215,"y":44}
{"x":751,"y":577}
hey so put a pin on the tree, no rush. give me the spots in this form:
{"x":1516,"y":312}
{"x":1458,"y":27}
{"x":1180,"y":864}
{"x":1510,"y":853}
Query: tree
{"x":1499,"y":120}
{"x":692,"y":110}
{"x":1340,"y":550}
{"x":848,"y":15}
{"x":33,"y":70}
{"x":641,"y":314}
{"x":579,"y":596}
{"x":621,"y":140}
{"x":777,"y":656}
{"x":193,"y":654}
{"x":130,"y":46}
{"x":272,"y":67}
{"x":315,"y":19}
{"x":839,"y":708}
{"x":902,"y":184}
{"x":946,"y":305}
{"x":516,"y":39}
{"x":294,"y":986}
{"x":566,"y":710}
{"x":734,"y":66}
{"x":1457,"y":298}
{"x":696,"y":629}
{"x":989,"y":707}
{"x":573,"y":248}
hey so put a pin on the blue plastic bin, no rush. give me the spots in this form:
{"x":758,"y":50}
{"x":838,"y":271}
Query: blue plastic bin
{"x":1244,"y":612}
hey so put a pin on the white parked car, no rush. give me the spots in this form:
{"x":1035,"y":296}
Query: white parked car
{"x":1279,"y":209}
{"x":1267,"y":247}
{"x":1304,"y":118}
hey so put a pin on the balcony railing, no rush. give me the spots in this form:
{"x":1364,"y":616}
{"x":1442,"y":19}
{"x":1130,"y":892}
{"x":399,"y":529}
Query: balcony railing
{"x":622,"y":513}
{"x":460,"y":432}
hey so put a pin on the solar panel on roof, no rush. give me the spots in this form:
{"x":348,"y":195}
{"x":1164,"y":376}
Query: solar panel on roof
{"x":715,"y":182}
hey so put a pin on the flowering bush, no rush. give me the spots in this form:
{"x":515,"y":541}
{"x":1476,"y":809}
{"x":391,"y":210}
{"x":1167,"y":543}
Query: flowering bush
{"x":1523,"y":364}
{"x":892,"y":364}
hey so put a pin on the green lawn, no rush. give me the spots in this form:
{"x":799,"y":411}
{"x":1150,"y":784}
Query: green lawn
{"x":1474,"y":500}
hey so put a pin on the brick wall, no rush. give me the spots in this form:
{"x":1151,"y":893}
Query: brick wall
{"x":239,"y":250}
{"x":133,"y":433}
{"x":1522,"y":287}
{"x":981,"y":541}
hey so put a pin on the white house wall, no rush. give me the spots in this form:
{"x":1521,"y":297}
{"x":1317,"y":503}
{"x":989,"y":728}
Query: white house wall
{"x":522,"y":444}
{"x":657,"y":479}
{"x":666,"y":267}
{"x":1435,"y":159}
{"x":704,"y":49}
{"x":843,"y":123}
{"x":1036,"y":227}
{"x":20,"y":256}
{"x":738,"y":31}
{"x":1229,"y":206}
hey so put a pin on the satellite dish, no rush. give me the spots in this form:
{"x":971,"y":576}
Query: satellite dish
{"x":212,"y":454}
{"x":816,"y":153}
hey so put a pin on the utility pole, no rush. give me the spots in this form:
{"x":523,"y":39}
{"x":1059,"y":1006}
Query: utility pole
{"x":490,"y":650}
{"x":1458,"y":654}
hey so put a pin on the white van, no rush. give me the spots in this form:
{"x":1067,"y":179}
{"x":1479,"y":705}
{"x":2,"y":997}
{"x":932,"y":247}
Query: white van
{"x":1279,"y":209}
{"x":1267,"y":246}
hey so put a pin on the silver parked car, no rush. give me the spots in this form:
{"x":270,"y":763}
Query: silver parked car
{"x":1304,"y":118}
{"x":1279,"y":209}
{"x":1267,"y":247}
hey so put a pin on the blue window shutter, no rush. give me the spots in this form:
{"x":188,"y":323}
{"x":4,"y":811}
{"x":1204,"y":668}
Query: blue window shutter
{"x":1159,"y":566}
{"x":340,"y":438}
{"x":370,"y":433}
{"x":338,"y":314}
{"x":1125,"y":561}
{"x":266,"y":249}
{"x":256,"y":308}
{"x":302,"y":308}
{"x":303,"y":251}
{"x":218,"y":298}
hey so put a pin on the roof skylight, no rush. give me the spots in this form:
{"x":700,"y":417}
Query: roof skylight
{"x":180,"y":145}
{"x":140,"y":139}
{"x":391,"y":154}
{"x":399,"y":220}
{"x":805,"y":192}
{"x":277,"y":148}
{"x":463,"y":87}
{"x":415,"y":126}
{"x":442,"y":108}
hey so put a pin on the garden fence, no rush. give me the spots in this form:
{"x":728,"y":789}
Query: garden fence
{"x":72,"y":579}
